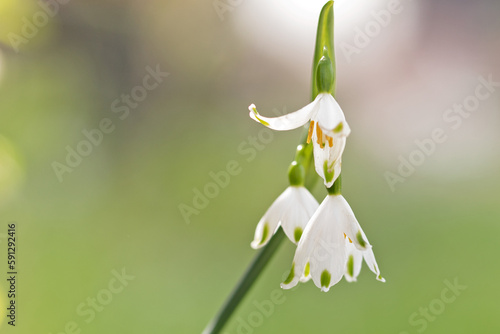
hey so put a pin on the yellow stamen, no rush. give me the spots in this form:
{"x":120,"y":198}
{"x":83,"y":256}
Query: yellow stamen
{"x":330,"y":141}
{"x":310,"y":133}
{"x":319,"y":134}
{"x":345,"y":236}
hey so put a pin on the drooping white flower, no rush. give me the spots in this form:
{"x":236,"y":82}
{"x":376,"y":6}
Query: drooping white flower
{"x":355,"y":258}
{"x":328,"y":130}
{"x":292,"y":210}
{"x":324,"y":249}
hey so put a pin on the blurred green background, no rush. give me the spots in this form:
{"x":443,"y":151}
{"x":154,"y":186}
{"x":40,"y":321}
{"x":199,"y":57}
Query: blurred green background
{"x":118,"y":209}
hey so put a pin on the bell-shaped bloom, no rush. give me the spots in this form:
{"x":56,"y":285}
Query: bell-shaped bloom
{"x":325,"y":247}
{"x":354,"y":260}
{"x":328,"y":130}
{"x":292,"y":210}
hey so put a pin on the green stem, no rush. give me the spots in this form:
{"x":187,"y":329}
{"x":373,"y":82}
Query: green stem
{"x":324,"y":39}
{"x":246,"y":282}
{"x":303,"y":156}
{"x":336,"y":188}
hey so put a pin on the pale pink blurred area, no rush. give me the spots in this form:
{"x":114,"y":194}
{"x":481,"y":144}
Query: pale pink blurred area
{"x":401,"y":65}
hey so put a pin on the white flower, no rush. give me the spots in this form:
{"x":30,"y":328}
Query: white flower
{"x":355,"y":258}
{"x":328,"y":130}
{"x":292,"y":210}
{"x":326,"y":245}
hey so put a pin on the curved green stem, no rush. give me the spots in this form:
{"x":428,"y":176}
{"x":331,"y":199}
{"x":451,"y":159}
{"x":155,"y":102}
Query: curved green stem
{"x":246,"y":282}
{"x":303,"y":156}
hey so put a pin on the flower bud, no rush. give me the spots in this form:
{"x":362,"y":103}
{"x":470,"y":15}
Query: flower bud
{"x":296,"y":174}
{"x":324,"y":74}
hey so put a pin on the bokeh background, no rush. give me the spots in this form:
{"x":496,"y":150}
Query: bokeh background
{"x":120,"y":207}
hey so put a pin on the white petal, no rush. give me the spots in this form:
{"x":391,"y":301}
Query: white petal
{"x":357,"y":260}
{"x":372,"y":263}
{"x":286,"y":122}
{"x":330,"y":117}
{"x":292,"y":210}
{"x":269,"y":223}
{"x":335,"y":152}
{"x":367,"y":252}
{"x":305,"y":278}
{"x":350,"y":224}
{"x":329,"y":160}
{"x":301,"y":206}
{"x":326,"y":252}
{"x":323,"y":247}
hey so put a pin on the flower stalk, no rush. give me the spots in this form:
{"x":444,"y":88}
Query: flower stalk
{"x":298,"y":172}
{"x":303,"y":157}
{"x":246,"y":282}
